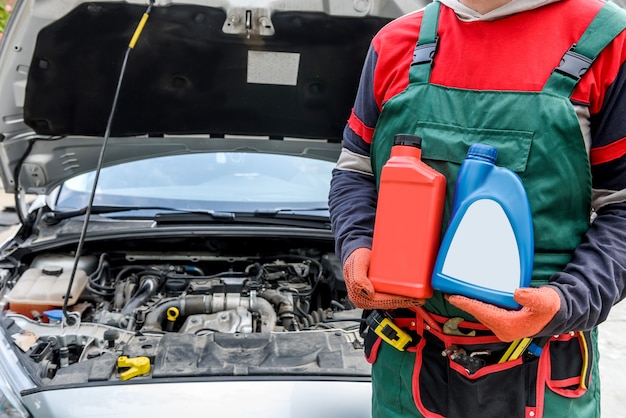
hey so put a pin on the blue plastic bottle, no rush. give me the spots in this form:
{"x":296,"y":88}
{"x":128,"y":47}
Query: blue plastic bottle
{"x":487,"y":250}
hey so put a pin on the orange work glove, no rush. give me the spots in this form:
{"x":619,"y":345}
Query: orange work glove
{"x":539,"y":306}
{"x":360,"y":289}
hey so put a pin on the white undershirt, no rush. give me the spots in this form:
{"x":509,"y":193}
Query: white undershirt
{"x":514,"y":6}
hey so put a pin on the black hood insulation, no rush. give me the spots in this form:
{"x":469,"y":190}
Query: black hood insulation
{"x":186,"y":76}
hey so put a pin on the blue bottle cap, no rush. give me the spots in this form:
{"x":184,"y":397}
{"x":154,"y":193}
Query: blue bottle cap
{"x":482,"y":152}
{"x":54,"y":314}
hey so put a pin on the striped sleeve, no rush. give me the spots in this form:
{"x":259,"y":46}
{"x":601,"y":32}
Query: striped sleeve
{"x":353,"y":194}
{"x":608,"y":147}
{"x":595,"y":279}
{"x":360,"y":128}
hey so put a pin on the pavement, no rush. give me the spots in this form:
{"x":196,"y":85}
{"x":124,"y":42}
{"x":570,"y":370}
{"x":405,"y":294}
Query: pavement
{"x":612,"y":335}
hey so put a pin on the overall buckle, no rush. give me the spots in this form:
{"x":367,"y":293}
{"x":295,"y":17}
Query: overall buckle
{"x":424,"y":54}
{"x":573,"y":64}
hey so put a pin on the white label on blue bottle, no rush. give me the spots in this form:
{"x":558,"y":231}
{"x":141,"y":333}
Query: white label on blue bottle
{"x":483,"y":251}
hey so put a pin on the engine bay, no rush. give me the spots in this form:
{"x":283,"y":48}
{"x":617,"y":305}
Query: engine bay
{"x":279,"y":309}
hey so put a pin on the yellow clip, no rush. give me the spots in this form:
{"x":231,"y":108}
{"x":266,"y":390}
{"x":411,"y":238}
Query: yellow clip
{"x":138,"y":366}
{"x":138,"y":31}
{"x":384,"y":327}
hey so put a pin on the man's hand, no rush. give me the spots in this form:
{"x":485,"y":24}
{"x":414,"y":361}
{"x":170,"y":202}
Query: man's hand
{"x":539,"y":306}
{"x":360,"y":289}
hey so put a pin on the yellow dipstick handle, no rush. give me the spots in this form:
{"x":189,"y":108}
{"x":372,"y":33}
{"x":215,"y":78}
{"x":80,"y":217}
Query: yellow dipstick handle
{"x":137,"y":366}
{"x":172,"y":314}
{"x":140,"y":26}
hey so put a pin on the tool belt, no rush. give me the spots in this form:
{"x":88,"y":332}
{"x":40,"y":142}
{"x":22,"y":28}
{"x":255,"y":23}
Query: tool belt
{"x":462,"y":369}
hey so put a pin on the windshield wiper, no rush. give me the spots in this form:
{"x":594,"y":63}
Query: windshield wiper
{"x":317,"y":214}
{"x":193,"y":217}
{"x":287,"y":217}
{"x":52,"y":218}
{"x":170,"y":216}
{"x":277,"y":211}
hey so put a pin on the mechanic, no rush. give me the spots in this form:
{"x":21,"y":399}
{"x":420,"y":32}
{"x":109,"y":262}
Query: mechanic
{"x":545,"y":82}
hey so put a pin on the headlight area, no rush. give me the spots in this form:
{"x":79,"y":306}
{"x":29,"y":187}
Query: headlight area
{"x":11,"y":409}
{"x":12,"y":380}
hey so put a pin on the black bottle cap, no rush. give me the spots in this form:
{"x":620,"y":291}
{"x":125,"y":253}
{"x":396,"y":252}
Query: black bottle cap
{"x":408,"y":139}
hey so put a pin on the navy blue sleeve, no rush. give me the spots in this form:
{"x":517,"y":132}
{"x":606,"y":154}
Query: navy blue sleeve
{"x":352,"y":203}
{"x":595,"y":278}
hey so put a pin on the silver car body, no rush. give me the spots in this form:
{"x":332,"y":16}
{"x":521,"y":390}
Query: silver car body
{"x":223,"y":80}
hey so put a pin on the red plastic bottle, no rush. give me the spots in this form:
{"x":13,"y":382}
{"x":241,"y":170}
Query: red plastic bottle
{"x":408,"y":222}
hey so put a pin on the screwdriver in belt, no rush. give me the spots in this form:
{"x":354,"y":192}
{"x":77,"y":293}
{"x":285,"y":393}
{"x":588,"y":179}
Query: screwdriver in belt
{"x":533,"y":345}
{"x":515,"y":349}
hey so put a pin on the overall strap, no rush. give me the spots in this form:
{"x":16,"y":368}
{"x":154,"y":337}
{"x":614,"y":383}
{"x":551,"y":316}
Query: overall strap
{"x":426,"y":45}
{"x":605,"y":26}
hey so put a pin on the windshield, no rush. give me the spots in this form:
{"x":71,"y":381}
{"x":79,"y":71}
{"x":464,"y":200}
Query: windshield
{"x":225,"y":181}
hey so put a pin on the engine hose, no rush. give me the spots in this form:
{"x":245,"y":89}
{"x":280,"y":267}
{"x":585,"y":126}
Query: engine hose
{"x":265,"y":310}
{"x":284,"y":305}
{"x":315,"y":317}
{"x":305,"y":322}
{"x":147,"y":289}
{"x":206,"y":304}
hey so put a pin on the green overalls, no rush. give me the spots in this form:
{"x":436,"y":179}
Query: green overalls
{"x":538,"y":136}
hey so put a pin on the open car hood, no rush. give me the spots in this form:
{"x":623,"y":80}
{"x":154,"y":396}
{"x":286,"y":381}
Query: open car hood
{"x":216,"y":68}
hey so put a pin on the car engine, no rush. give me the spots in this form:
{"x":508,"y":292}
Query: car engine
{"x":135,"y":303}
